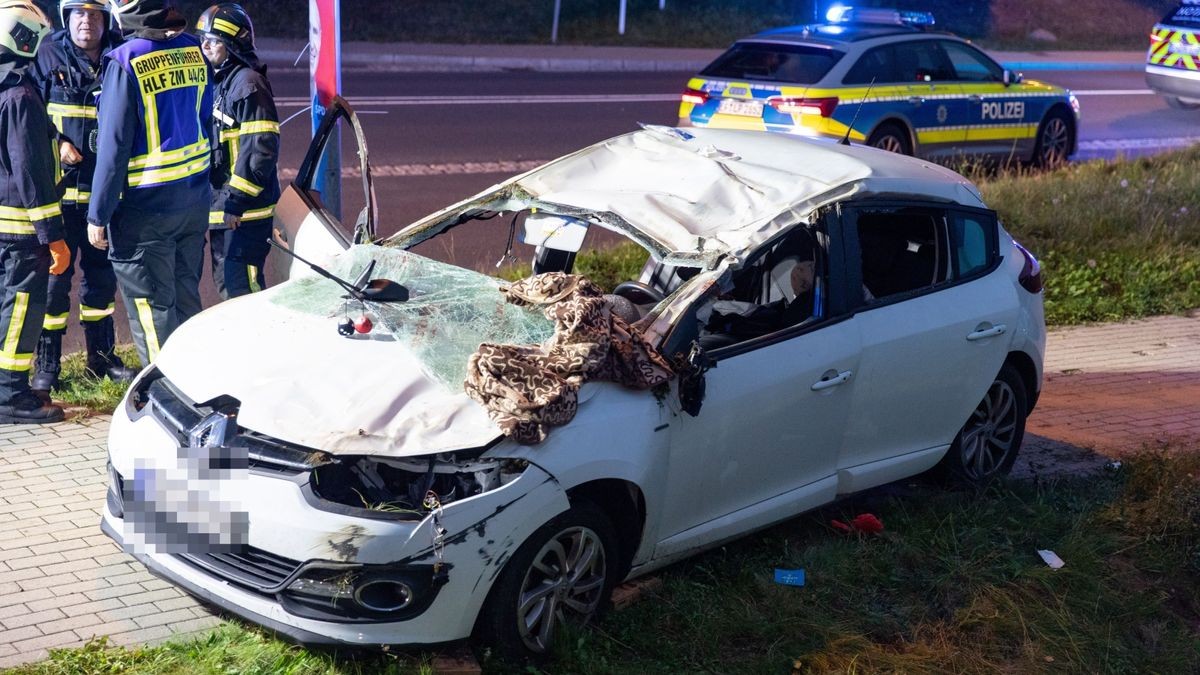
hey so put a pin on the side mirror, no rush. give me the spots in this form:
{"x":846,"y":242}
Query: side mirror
{"x":1011,"y":78}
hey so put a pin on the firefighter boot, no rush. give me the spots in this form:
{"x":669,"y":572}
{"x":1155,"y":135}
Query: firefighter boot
{"x":48,"y":364}
{"x":101,"y":360}
{"x":28,"y":408}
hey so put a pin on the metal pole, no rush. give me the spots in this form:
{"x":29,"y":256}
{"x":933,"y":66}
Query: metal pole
{"x":554,"y":28}
{"x":325,"y":66}
{"x":621,"y":20}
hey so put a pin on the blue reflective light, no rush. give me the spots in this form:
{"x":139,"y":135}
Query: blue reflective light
{"x":838,"y":13}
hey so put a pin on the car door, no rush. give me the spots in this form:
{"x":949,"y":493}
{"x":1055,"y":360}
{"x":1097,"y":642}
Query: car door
{"x":938,"y":110}
{"x":765,"y":443}
{"x":935,"y":320}
{"x":1002,"y":121}
{"x":302,"y":222}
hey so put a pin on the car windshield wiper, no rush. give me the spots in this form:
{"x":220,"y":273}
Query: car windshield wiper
{"x":365,"y":288}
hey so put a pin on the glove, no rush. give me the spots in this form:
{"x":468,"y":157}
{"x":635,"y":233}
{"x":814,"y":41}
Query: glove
{"x":60,"y":255}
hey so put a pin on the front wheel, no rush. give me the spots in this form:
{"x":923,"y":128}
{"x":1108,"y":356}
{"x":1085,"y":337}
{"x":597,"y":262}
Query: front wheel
{"x":1053,"y":141}
{"x":988,"y":443}
{"x":563,"y":574}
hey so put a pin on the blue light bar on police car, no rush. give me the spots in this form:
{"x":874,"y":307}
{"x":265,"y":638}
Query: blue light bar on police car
{"x":843,"y":14}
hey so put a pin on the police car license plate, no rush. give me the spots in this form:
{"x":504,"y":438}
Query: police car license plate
{"x":1184,"y":48}
{"x":733,"y":106}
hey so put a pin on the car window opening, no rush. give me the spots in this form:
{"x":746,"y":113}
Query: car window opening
{"x":903,"y":251}
{"x":784,"y":288}
{"x":773,"y":63}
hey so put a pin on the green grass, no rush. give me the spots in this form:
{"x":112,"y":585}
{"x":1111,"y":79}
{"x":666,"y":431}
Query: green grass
{"x":80,"y":390}
{"x":954,"y":584}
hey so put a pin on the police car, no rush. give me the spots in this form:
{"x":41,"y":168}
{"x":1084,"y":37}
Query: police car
{"x":1173,"y":62}
{"x":883,"y":78}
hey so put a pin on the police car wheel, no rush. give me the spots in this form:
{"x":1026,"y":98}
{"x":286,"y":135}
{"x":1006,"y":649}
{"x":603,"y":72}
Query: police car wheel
{"x":1054,"y":141}
{"x":891,"y":137}
{"x":1180,"y":104}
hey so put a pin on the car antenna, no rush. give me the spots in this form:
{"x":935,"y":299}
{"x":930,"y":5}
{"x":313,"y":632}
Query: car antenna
{"x":846,"y":139}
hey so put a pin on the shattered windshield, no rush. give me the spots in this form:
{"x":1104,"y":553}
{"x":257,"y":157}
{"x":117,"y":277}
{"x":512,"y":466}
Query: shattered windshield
{"x":450,"y":311}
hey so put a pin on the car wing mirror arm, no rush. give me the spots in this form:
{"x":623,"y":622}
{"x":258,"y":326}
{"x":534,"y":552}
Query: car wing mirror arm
{"x":692,"y":386}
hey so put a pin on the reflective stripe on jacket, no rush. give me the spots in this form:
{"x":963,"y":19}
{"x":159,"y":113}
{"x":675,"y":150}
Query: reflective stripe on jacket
{"x":246,"y":157}
{"x":29,"y":206}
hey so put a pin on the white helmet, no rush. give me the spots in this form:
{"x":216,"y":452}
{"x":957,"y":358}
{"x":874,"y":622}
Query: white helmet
{"x":22,"y":28}
{"x":65,"y":7}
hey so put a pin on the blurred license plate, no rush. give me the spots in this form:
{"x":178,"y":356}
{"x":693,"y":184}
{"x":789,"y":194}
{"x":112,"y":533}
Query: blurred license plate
{"x":1184,"y":48}
{"x":733,"y":106}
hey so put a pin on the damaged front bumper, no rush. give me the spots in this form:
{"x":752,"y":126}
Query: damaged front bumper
{"x":321,"y":574}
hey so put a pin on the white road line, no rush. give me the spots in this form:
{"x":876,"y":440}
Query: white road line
{"x":1139,"y":143}
{"x":396,"y":101}
{"x":447,"y":169}
{"x":572,"y":99}
{"x":1113,"y":92}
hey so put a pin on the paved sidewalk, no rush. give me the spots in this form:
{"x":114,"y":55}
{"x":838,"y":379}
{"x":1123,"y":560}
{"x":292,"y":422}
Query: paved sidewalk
{"x":1110,"y":388}
{"x":429,"y":57}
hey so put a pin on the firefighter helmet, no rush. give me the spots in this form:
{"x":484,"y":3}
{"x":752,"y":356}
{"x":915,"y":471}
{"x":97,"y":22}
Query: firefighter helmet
{"x":138,"y":15}
{"x":65,"y":7}
{"x":22,"y":27}
{"x":231,"y":24}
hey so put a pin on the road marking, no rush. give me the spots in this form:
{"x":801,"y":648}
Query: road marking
{"x":448,"y":169}
{"x":1139,"y":143}
{"x":1113,"y":92}
{"x":396,"y":101}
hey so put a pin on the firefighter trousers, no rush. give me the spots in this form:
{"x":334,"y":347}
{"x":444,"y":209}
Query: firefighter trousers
{"x":97,"y":285}
{"x":157,"y":258}
{"x":238,"y":257}
{"x":24,"y":275}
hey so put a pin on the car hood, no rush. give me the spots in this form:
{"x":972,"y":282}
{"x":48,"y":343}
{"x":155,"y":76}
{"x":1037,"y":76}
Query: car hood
{"x":395,"y":392}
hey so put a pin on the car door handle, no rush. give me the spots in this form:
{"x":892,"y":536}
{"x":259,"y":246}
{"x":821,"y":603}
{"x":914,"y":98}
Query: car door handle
{"x":982,"y":333}
{"x":832,"y":379}
{"x":916,"y":100}
{"x":975,"y":98}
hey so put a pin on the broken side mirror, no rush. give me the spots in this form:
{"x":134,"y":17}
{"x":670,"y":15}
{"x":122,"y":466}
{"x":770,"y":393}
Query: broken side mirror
{"x":692,"y":384}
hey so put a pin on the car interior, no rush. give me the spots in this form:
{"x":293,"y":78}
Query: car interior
{"x":902,"y":252}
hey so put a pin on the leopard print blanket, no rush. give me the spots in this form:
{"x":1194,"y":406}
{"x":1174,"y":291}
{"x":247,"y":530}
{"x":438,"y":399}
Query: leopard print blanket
{"x":529,"y":388}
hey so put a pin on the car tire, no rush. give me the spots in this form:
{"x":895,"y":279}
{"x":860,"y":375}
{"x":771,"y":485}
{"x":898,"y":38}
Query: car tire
{"x":988,"y":443}
{"x":891,"y":137}
{"x":545,"y":571}
{"x":1054,"y":139}
{"x":1180,"y":104}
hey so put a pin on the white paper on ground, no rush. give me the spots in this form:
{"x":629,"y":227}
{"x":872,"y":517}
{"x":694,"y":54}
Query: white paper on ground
{"x":1052,"y":559}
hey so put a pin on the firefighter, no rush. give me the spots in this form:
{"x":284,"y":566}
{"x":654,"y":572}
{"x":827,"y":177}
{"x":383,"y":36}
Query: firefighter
{"x":150,"y":194}
{"x":246,"y":131}
{"x":67,"y":73}
{"x":31,"y":230}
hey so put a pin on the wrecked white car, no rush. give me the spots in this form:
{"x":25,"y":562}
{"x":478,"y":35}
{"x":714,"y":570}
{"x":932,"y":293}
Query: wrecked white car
{"x":834,"y":318}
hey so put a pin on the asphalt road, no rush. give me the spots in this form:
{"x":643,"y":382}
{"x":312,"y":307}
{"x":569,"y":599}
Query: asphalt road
{"x":436,"y":138}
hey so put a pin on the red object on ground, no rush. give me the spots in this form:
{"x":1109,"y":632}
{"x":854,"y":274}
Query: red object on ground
{"x":363,"y":325}
{"x":866,"y":523}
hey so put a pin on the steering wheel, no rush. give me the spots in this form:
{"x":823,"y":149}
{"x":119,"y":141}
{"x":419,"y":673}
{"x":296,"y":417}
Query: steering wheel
{"x":639,"y":293}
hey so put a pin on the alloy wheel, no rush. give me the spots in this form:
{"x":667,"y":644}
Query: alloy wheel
{"x":988,"y":437}
{"x":1055,"y":139}
{"x":564,"y":583}
{"x":890,"y":143}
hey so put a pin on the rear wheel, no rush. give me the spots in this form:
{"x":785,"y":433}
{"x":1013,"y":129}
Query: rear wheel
{"x":891,"y":137}
{"x":563,"y":574}
{"x":988,"y":443}
{"x":1053,"y":141}
{"x":1181,"y":104}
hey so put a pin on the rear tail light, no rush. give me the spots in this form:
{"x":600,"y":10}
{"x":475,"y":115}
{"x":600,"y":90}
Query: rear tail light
{"x":1031,"y":273}
{"x":804,"y":106}
{"x":694,"y":96}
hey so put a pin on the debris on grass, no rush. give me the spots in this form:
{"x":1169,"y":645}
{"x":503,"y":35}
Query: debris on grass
{"x":1052,"y":560}
{"x":789,"y":577}
{"x":865,"y":523}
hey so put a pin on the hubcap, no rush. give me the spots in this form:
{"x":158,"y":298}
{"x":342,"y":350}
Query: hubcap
{"x":987,"y":438}
{"x":564,"y":583}
{"x":890,"y":143}
{"x":1055,"y":138}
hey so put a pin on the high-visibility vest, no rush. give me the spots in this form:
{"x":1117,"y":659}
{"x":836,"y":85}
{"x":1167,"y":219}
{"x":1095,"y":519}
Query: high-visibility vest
{"x":172,"y":143}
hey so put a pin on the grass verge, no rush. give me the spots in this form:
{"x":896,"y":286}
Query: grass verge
{"x":954,"y":584}
{"x":81,"y":392}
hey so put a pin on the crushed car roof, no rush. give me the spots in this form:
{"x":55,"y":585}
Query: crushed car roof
{"x":717,"y":191}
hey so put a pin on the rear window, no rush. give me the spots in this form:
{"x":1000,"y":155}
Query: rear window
{"x":773,"y":63}
{"x":1188,"y":15}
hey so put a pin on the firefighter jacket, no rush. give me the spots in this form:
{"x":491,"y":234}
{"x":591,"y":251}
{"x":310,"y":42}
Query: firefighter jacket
{"x":29,"y":207}
{"x":246,"y":157}
{"x":70,"y":83}
{"x":153,"y":147}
